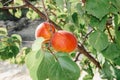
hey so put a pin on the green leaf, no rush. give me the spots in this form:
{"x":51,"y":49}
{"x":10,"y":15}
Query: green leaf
{"x":39,"y":64}
{"x":107,"y":71}
{"x":99,"y":24}
{"x":18,"y":2}
{"x":33,"y":60}
{"x":100,"y":8}
{"x":112,"y":51}
{"x":64,"y":68}
{"x":32,"y":14}
{"x":14,"y":50}
{"x":45,"y":65}
{"x":3,"y":32}
{"x":116,"y":4}
{"x":17,"y":39}
{"x":37,"y":44}
{"x":98,"y":40}
{"x":87,"y":77}
{"x":75,"y":18}
{"x":60,"y":4}
{"x":117,"y":71}
{"x":18,"y":13}
{"x":68,"y":6}
{"x":79,"y":9}
{"x":117,"y":60}
{"x":117,"y":34}
{"x":69,"y":27}
{"x":1,"y":5}
{"x":17,"y":36}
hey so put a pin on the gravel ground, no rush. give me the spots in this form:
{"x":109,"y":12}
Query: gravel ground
{"x":13,"y":72}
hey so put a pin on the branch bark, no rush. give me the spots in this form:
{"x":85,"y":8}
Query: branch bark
{"x":82,"y":50}
{"x":109,"y":33}
{"x":12,"y":7}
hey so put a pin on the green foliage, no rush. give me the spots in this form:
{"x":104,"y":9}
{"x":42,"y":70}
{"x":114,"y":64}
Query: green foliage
{"x":96,"y":23}
{"x":9,"y":45}
{"x":43,"y":64}
{"x":100,"y":8}
{"x":30,"y":14}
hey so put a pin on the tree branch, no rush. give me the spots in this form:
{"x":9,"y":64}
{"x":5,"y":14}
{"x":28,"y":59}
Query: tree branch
{"x":13,"y":7}
{"x":42,"y":15}
{"x":82,"y":50}
{"x":76,"y":59}
{"x":109,"y":33}
{"x":86,"y":36}
{"x":45,"y":10}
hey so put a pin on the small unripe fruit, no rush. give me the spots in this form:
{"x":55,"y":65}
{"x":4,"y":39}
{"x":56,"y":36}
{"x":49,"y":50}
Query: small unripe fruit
{"x":45,"y":30}
{"x":64,"y":41}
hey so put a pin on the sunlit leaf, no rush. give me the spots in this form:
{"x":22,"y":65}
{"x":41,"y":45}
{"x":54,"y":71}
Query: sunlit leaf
{"x":37,"y":44}
{"x":18,"y":13}
{"x":33,"y":61}
{"x":3,"y":32}
{"x":1,"y":5}
{"x":60,"y":3}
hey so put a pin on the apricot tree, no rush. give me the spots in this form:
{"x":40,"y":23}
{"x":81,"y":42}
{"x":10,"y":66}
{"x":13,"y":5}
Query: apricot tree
{"x":96,"y":25}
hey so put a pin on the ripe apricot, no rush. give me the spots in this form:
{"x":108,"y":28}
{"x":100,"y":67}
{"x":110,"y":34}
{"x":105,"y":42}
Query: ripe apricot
{"x":45,"y":30}
{"x":64,"y":41}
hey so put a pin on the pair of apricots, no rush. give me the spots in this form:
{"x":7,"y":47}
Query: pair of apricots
{"x":60,"y":40}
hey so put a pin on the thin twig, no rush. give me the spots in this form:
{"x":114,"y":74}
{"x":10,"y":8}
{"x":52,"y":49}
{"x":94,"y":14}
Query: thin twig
{"x":7,"y":2}
{"x":52,"y":53}
{"x":87,"y":36}
{"x":42,"y":15}
{"x":109,"y":33}
{"x":45,"y":10}
{"x":13,"y":7}
{"x":76,"y":59}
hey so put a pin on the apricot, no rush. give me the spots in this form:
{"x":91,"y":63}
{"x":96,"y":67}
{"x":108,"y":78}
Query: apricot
{"x":64,"y":41}
{"x":45,"y":30}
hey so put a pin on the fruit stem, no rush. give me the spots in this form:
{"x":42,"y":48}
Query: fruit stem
{"x":76,"y":59}
{"x":52,"y":53}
